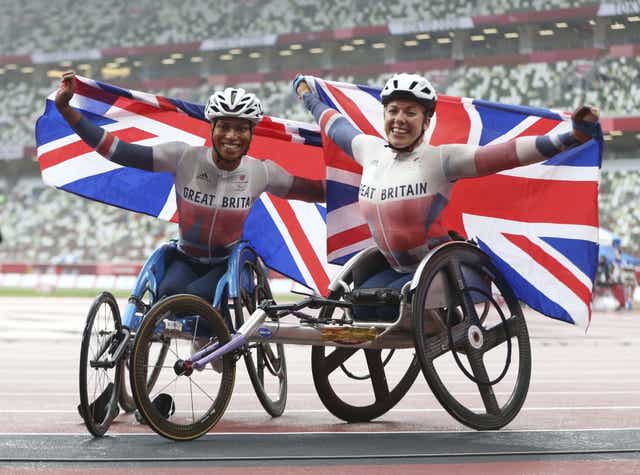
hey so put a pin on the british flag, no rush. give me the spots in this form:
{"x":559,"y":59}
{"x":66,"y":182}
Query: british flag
{"x":67,"y":163}
{"x":538,"y":223}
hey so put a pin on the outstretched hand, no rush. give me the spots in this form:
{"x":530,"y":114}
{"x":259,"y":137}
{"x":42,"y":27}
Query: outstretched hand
{"x":300,"y":86}
{"x":67,"y":89}
{"x":585,"y":123}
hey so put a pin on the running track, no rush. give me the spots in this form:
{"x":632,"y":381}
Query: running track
{"x":582,"y":414}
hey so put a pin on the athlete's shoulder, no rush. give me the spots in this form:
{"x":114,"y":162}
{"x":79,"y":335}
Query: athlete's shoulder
{"x":426,"y":149}
{"x":250,"y":159}
{"x":371,"y":139}
{"x":169,"y":155}
{"x":364,"y":143}
{"x":194,"y":153}
{"x":252,"y":163}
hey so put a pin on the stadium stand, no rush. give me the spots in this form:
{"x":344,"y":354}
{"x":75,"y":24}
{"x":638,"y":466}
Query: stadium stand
{"x":620,"y":207}
{"x":94,"y":23}
{"x":612,"y":83}
{"x":40,"y":224}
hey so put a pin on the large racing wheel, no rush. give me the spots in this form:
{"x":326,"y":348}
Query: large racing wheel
{"x":99,"y":373}
{"x":359,"y":385}
{"x":467,"y":319}
{"x":266,"y":363}
{"x":185,"y":403}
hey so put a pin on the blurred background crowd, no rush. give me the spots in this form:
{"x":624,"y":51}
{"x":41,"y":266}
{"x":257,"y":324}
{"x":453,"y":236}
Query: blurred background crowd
{"x":550,"y":53}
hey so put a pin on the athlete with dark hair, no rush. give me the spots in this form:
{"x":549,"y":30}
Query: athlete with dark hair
{"x":215,"y":187}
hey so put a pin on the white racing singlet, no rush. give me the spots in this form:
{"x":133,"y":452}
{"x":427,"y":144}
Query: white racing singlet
{"x":401,"y":195}
{"x":213,"y":203}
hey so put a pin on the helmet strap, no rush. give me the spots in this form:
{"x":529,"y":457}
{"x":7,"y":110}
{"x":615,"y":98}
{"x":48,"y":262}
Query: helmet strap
{"x":411,"y":146}
{"x":217,"y":156}
{"x":408,"y":148}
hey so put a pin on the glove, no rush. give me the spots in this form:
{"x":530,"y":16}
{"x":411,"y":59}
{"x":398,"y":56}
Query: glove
{"x":296,"y":82}
{"x":585,"y":124}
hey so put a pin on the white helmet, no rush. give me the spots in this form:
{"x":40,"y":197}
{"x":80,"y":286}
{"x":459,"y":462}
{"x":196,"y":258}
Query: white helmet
{"x":411,"y":87}
{"x":234,"y":102}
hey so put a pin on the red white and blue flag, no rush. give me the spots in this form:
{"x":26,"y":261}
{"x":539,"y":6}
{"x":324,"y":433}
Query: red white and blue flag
{"x":538,"y":223}
{"x":296,"y":230}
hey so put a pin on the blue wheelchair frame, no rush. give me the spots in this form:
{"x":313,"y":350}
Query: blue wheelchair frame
{"x":154,"y":270}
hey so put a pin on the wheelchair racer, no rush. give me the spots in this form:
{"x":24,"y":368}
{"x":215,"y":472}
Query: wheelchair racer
{"x":406,"y":183}
{"x":215,"y":187}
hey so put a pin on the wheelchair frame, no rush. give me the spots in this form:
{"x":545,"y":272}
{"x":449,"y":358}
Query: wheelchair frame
{"x":453,"y":264}
{"x":117,"y":351}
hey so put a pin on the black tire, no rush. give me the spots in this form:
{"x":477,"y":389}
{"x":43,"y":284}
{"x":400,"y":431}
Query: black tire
{"x":127,"y":403}
{"x":261,"y":358}
{"x":470,"y":278}
{"x":386,"y":391}
{"x":99,"y":386}
{"x":193,"y":323}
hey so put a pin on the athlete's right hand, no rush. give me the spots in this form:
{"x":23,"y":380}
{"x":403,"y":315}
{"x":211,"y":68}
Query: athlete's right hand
{"x":300,"y":86}
{"x":67,"y":89}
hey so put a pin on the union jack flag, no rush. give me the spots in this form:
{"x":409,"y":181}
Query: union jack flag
{"x":538,"y":223}
{"x":67,"y":163}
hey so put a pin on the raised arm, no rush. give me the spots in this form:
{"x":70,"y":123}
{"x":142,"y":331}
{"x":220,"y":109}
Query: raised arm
{"x":464,"y":161}
{"x":105,"y":143}
{"x":333,"y":124}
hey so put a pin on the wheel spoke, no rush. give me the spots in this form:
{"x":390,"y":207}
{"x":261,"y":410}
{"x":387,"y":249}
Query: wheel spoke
{"x":378,"y":376}
{"x":192,"y":381}
{"x":339,"y":356}
{"x":190,"y":402}
{"x":457,"y":283}
{"x":480,"y":373}
{"x":175,"y":378}
{"x":154,"y":366}
{"x":195,"y":331}
{"x":438,"y":345}
{"x":193,"y":414}
{"x":496,"y":335}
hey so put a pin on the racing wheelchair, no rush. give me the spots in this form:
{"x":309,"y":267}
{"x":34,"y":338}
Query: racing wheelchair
{"x":108,"y":339}
{"x":457,"y":304}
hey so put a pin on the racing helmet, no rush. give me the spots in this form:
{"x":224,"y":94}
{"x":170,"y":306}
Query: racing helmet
{"x":234,"y":102}
{"x":410,"y":87}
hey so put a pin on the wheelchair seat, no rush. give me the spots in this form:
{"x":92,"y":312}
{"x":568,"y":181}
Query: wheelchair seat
{"x":375,"y":296}
{"x":375,"y":303}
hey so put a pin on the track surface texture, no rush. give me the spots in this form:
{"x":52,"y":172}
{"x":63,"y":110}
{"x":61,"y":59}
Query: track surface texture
{"x":582,"y":413}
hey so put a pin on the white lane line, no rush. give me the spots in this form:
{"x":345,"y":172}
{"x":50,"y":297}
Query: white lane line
{"x":409,"y":394}
{"x":534,"y":381}
{"x":278,"y":434}
{"x":28,"y":375}
{"x":324,"y":411}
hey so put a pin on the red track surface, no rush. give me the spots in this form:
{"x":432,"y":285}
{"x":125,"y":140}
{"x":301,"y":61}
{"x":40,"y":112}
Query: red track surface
{"x":578,"y":382}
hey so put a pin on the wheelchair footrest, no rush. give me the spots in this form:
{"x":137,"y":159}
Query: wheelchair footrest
{"x":374,"y":296}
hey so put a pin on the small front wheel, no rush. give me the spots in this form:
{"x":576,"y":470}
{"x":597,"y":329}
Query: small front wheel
{"x":99,"y":373}
{"x":184,"y":403}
